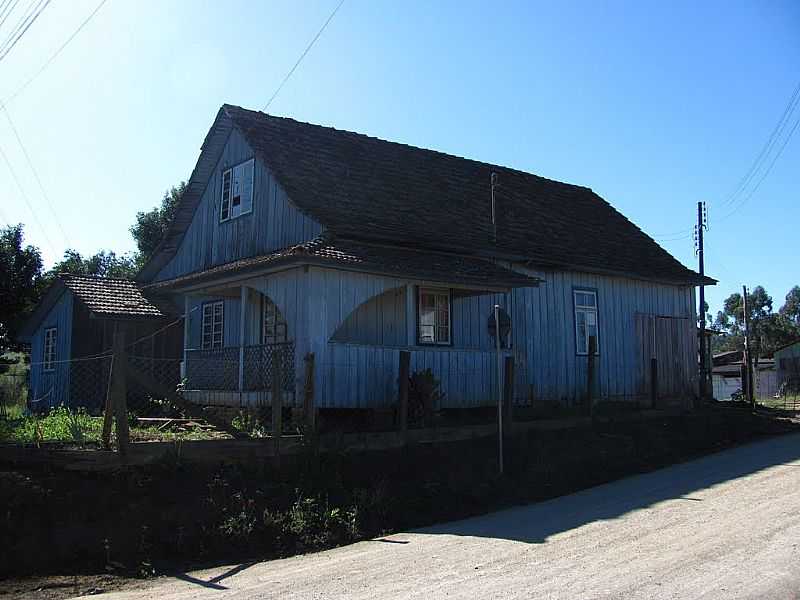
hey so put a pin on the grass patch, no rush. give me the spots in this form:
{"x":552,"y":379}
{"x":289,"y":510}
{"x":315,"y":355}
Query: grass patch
{"x":78,"y":427}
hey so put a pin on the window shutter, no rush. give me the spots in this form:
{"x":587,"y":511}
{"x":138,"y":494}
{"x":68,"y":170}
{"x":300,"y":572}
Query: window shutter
{"x":225,"y":205}
{"x":247,"y":186}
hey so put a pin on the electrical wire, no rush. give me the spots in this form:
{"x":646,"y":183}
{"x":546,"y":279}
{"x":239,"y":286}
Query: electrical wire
{"x":17,"y":35}
{"x":765,"y":174}
{"x":35,"y":174}
{"x":27,"y":202}
{"x":302,"y":56}
{"x":55,"y":54}
{"x":794,"y":100}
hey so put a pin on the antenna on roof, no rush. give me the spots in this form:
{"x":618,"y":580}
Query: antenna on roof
{"x":494,"y":208}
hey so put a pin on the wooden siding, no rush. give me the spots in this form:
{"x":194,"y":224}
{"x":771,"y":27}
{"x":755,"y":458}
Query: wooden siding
{"x":548,"y":367}
{"x":273,"y":224}
{"x":51,"y":388}
{"x":356,"y":324}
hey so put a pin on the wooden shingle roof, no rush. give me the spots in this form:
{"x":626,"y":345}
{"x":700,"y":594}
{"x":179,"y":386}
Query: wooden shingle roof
{"x":111,"y":298}
{"x":368,"y":257}
{"x":364,"y":188}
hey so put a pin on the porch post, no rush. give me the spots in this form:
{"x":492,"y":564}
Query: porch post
{"x":186,"y":330}
{"x":242,"y":315}
{"x":411,"y":315}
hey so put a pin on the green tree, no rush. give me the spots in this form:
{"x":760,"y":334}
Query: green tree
{"x":20,"y":282}
{"x":151,"y":226}
{"x":768,"y":330}
{"x":102,"y":264}
{"x":791,"y":309}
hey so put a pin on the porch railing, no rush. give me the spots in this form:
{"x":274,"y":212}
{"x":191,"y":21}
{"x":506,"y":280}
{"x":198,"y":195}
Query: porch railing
{"x":218,"y":369}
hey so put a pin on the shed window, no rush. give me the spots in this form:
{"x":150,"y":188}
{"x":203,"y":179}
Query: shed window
{"x":274,"y":325}
{"x":212,"y":325}
{"x":237,"y":190}
{"x":585,"y":320}
{"x":433,"y":316}
{"x":49,"y":348}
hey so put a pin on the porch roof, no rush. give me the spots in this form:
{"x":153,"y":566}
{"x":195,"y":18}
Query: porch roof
{"x":394,"y":261}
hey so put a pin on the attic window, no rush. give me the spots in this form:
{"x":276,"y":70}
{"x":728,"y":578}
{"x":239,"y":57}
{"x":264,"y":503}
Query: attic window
{"x":237,"y":191}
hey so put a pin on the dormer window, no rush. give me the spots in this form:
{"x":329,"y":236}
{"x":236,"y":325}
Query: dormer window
{"x":237,"y":190}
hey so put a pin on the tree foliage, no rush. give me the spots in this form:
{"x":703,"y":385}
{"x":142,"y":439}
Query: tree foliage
{"x":102,"y":264}
{"x":768,"y":330}
{"x":151,"y":226}
{"x":20,"y":281}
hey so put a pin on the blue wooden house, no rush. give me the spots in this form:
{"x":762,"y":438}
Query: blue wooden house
{"x":294,"y":239}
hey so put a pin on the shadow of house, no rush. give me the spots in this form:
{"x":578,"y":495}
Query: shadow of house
{"x":535,"y":523}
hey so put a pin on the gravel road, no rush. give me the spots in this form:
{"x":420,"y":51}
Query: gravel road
{"x":724,"y":526}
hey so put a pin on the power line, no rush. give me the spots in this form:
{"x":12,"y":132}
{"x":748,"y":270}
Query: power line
{"x":55,"y":54}
{"x":302,"y":56}
{"x":27,"y":202}
{"x":7,"y":10}
{"x":768,"y":146}
{"x":21,"y":29}
{"x":766,"y":173}
{"x":35,"y":174}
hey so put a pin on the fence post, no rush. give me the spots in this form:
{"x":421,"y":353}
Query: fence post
{"x":108,"y":412}
{"x":653,"y":382}
{"x":309,"y":412}
{"x":402,"y":382}
{"x":508,"y":393}
{"x":590,"y":372}
{"x":277,"y":404}
{"x":119,"y":386}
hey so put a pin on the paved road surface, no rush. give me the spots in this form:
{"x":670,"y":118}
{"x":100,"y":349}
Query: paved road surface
{"x":725,"y":526}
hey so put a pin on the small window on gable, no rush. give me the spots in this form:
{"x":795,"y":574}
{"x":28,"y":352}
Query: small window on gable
{"x":237,"y":190}
{"x":433,"y":316}
{"x":274,"y":325}
{"x":585,"y":321}
{"x":212,"y":326}
{"x":49,"y":348}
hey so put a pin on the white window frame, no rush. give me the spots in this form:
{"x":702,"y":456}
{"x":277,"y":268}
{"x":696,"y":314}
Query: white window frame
{"x":443,"y":317}
{"x":235,"y":175}
{"x":214,"y":339}
{"x":49,"y":349}
{"x":590,"y":313}
{"x":274,"y":329}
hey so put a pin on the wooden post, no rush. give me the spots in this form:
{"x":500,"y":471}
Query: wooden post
{"x":108,"y":412}
{"x":119,"y":388}
{"x":590,"y":372}
{"x":309,"y":412}
{"x":653,"y":382}
{"x":242,"y":334}
{"x":277,"y":404}
{"x":402,"y":386}
{"x":748,"y":388}
{"x":508,"y":392}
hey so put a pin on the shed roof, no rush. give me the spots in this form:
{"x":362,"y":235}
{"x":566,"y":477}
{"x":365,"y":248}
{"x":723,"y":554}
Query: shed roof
{"x":104,"y":297}
{"x":365,"y":188}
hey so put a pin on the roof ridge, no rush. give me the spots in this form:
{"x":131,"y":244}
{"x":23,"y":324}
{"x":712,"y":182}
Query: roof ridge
{"x":475,"y":161}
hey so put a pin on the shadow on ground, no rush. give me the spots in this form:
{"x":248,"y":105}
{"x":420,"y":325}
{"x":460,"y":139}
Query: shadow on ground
{"x":535,"y":523}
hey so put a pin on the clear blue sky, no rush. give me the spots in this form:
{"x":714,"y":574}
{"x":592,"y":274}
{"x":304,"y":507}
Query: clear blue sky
{"x":653,"y":105}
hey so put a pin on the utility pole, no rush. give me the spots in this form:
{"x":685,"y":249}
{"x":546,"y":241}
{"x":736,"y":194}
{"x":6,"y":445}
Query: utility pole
{"x":702,"y":224}
{"x":747,"y":385}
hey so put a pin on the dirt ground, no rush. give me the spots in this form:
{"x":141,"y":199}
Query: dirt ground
{"x":723,"y":526}
{"x":58,"y":587}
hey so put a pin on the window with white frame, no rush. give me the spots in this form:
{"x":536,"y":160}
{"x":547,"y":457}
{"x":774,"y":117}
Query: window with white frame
{"x":237,"y":190}
{"x":273,"y":329}
{"x":49,"y":348}
{"x":212,"y":325}
{"x":433,"y":316}
{"x":585,"y":320}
